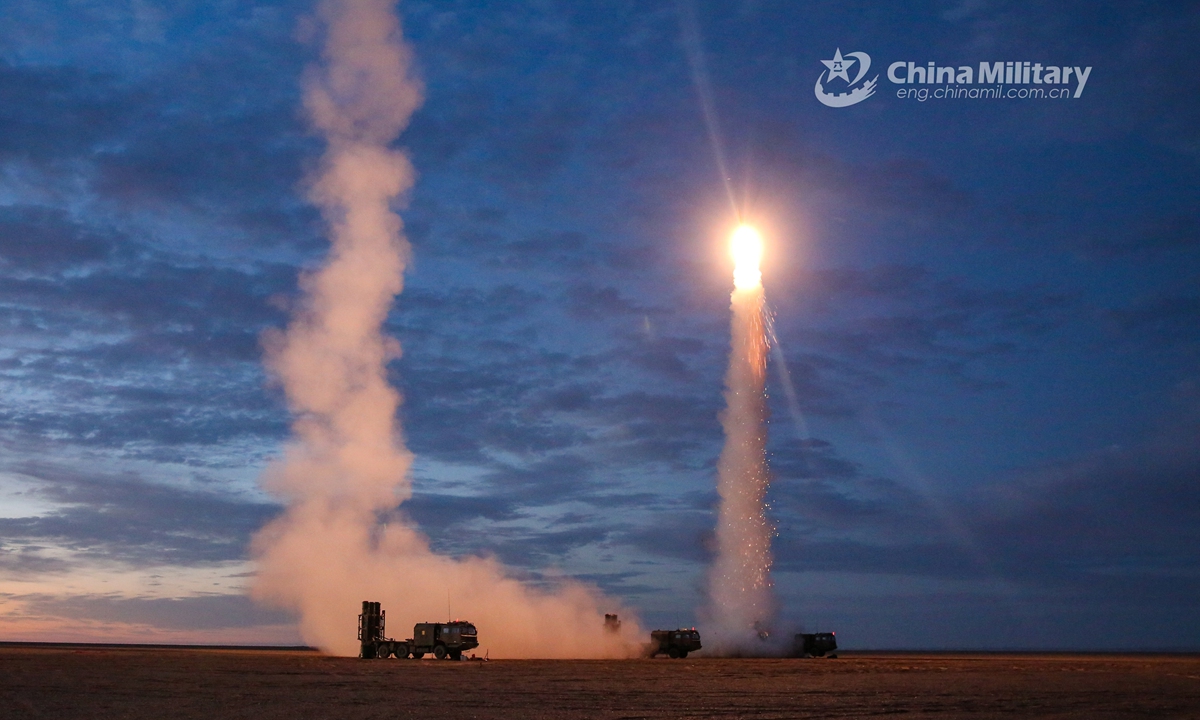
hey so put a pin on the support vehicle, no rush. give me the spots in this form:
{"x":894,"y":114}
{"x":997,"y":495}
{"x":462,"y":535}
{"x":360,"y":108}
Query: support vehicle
{"x":815,"y":645}
{"x":444,"y":640}
{"x":674,"y":643}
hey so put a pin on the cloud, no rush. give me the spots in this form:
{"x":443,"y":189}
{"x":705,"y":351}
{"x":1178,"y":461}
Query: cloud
{"x":21,"y":560}
{"x":1124,"y":513}
{"x":850,"y":334}
{"x":1119,"y":524}
{"x":911,"y":559}
{"x":438,"y":513}
{"x":201,"y":612}
{"x":523,"y":548}
{"x":678,"y":534}
{"x":1168,"y":319}
{"x":588,"y":302}
{"x":810,"y":458}
{"x":127,"y":519}
{"x":54,"y":112}
{"x":1146,"y":235}
{"x":147,"y":348}
{"x":40,"y":240}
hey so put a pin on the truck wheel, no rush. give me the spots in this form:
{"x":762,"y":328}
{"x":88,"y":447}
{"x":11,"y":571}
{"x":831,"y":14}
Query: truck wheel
{"x":401,"y":651}
{"x":439,"y":652}
{"x":683,"y":653}
{"x":673,"y":653}
{"x":382,"y":652}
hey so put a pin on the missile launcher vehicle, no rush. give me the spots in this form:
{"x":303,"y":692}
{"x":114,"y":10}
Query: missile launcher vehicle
{"x":444,"y":640}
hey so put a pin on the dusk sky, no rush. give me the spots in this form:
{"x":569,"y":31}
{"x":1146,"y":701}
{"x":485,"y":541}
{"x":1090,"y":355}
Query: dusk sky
{"x":984,"y":395}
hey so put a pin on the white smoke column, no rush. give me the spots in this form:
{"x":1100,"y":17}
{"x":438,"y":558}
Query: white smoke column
{"x":741,"y":599}
{"x":346,"y":463}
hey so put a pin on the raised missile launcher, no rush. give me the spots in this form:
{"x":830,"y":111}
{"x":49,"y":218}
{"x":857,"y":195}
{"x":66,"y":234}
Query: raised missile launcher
{"x":444,"y":640}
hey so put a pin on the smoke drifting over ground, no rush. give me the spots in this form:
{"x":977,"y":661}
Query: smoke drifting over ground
{"x":346,"y":464}
{"x":741,"y":599}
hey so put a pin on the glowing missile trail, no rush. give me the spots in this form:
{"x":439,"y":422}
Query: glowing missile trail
{"x":741,"y":600}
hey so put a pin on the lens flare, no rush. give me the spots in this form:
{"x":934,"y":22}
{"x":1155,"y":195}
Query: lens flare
{"x":746,"y":247}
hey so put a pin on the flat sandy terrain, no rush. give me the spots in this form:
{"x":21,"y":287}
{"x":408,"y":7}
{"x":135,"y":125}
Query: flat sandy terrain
{"x":98,"y":682}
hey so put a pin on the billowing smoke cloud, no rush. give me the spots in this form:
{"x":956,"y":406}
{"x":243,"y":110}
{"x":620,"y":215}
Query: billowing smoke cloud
{"x":346,"y":465}
{"x":741,"y":599}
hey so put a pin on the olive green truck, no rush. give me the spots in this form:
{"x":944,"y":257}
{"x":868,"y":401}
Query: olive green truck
{"x":444,"y":640}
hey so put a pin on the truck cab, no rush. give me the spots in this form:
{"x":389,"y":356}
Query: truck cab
{"x":815,"y":645}
{"x":443,"y":639}
{"x":674,"y":643}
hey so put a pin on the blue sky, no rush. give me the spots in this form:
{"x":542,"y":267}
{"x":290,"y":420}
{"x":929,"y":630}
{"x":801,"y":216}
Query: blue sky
{"x":987,"y":310}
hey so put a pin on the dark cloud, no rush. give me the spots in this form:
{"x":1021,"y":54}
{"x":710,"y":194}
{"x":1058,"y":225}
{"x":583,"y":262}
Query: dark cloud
{"x":1173,"y":232}
{"x":24,"y":560}
{"x":223,"y":136}
{"x":1172,"y":319}
{"x":551,"y":480}
{"x":618,"y":584}
{"x":55,"y":112}
{"x":160,"y":348}
{"x":541,"y":548}
{"x":127,"y":519}
{"x":1126,"y":513}
{"x":933,"y":560}
{"x":810,"y":459}
{"x":438,"y":513}
{"x":39,"y":240}
{"x":201,"y":612}
{"x":679,"y":534}
{"x":1120,"y":525}
{"x":601,"y":303}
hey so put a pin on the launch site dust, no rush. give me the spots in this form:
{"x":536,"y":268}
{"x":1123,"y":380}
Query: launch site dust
{"x":576,"y":359}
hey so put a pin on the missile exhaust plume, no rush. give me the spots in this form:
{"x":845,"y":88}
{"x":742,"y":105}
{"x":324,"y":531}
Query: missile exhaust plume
{"x":741,"y":601}
{"x":346,"y":466}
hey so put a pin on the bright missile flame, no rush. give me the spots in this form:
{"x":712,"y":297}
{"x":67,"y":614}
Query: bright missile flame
{"x":746,"y":247}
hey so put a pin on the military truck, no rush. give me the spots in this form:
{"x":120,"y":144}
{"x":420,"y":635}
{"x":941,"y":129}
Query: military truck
{"x":673,"y":643}
{"x":444,"y":640}
{"x":815,"y":645}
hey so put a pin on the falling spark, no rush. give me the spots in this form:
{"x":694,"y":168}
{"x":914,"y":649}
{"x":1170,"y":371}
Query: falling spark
{"x":741,"y":598}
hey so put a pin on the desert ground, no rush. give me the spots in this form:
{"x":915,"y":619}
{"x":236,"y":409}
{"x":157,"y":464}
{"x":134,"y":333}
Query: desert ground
{"x":127,"y":682}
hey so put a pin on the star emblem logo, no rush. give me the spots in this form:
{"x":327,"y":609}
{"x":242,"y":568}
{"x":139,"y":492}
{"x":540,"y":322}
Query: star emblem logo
{"x":852,"y":92}
{"x":839,"y":66}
